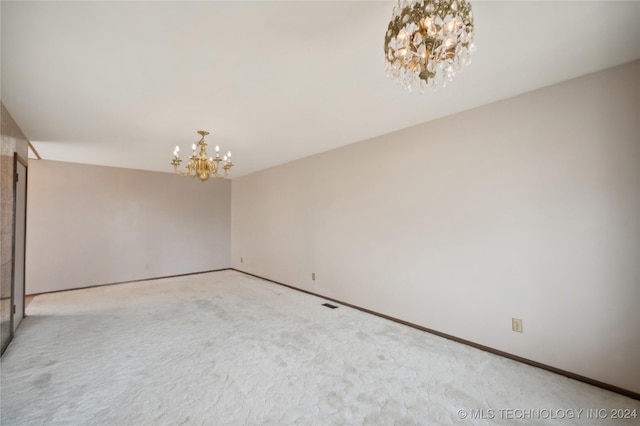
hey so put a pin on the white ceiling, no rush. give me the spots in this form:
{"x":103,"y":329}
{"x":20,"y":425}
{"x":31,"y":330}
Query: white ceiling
{"x":122,"y":83}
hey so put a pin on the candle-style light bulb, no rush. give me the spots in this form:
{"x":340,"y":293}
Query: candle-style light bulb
{"x":177,"y":148}
{"x":229,"y":155}
{"x":217,"y":148}
{"x":193,"y":147}
{"x":224,"y":158}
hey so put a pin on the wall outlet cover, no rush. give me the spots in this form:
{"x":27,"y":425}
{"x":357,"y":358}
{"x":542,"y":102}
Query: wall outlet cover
{"x":516,"y":325}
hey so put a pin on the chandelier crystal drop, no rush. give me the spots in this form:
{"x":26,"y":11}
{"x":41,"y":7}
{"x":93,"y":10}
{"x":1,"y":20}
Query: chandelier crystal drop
{"x":201,"y":165}
{"x":428,"y":42}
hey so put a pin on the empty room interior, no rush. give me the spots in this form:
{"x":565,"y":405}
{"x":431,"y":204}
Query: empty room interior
{"x":320,"y":212}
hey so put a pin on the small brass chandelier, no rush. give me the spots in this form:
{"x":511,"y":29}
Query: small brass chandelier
{"x":428,"y":42}
{"x":201,"y":165}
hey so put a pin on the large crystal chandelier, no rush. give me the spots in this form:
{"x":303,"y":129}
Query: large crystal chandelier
{"x":201,"y":165}
{"x":428,"y":42}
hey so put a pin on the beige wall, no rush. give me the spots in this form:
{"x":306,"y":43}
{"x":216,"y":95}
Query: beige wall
{"x":90,"y":225}
{"x":527,"y":208}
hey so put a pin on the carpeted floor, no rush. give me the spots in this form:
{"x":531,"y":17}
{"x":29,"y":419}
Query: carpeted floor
{"x":226,"y":348}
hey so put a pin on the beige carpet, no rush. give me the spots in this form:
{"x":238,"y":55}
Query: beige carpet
{"x":225,"y":348}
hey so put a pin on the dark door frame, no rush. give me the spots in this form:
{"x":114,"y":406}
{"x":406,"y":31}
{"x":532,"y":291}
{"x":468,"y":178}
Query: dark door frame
{"x":17,"y":159}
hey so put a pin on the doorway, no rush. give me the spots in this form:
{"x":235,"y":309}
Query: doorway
{"x":20,"y":234}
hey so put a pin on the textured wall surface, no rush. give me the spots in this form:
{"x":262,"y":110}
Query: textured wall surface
{"x":90,"y":225}
{"x":12,"y":140}
{"x":526,"y":208}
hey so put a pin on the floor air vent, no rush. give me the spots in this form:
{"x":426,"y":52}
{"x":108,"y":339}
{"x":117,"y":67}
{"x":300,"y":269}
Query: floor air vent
{"x":329,"y":305}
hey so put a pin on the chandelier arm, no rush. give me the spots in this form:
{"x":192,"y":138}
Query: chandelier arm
{"x":176,"y":168}
{"x":227,"y":170}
